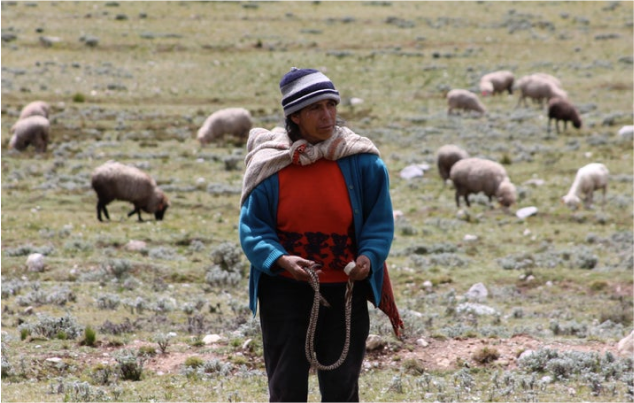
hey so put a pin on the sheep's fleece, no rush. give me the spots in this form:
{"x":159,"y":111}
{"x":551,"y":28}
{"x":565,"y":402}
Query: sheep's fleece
{"x":116,"y":181}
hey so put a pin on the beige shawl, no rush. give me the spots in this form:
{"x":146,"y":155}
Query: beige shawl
{"x":270,"y":151}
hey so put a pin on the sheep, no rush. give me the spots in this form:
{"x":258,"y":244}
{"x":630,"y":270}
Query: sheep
{"x":446,"y":157}
{"x":234,"y":121}
{"x":39,"y":108}
{"x":589,"y":178}
{"x":538,"y":88}
{"x":497,"y":82}
{"x":626,"y":133}
{"x":116,"y":181}
{"x":32,"y":130}
{"x":474,"y":175}
{"x":550,"y":78}
{"x":562,"y":109}
{"x":463,"y":99}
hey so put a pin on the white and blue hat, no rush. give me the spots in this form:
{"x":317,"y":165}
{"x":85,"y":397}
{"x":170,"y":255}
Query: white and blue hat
{"x":302,"y":87}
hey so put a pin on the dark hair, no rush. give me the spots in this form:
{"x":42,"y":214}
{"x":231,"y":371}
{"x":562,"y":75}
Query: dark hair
{"x":293,"y":129}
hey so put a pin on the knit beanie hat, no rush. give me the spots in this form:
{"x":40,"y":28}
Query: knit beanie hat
{"x":302,"y":87}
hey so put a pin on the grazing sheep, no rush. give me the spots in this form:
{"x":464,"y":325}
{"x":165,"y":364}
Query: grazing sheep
{"x":589,"y":178}
{"x":463,"y":99}
{"x":497,"y":82}
{"x":626,"y":132}
{"x":32,"y":130}
{"x":550,"y":78}
{"x":116,"y":181}
{"x":562,"y":109}
{"x":35,"y":108}
{"x":538,"y":88}
{"x":474,"y":175}
{"x":446,"y":157}
{"x":234,"y":121}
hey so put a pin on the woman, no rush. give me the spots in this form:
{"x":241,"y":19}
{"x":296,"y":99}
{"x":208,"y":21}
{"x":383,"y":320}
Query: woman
{"x":315,"y":196}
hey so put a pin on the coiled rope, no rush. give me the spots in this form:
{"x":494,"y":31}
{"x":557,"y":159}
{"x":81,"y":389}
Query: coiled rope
{"x":311,"y":355}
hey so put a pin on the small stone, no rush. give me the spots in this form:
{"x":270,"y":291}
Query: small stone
{"x":374,"y":342}
{"x":212,"y":338}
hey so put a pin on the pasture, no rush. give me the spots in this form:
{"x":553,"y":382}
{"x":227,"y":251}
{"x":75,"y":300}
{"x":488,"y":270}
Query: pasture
{"x":120,"y":310}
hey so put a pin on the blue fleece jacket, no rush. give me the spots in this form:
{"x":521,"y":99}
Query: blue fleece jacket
{"x":367,"y":180}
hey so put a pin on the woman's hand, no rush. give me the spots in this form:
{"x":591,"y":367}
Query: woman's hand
{"x":362,"y":268}
{"x":296,"y":265}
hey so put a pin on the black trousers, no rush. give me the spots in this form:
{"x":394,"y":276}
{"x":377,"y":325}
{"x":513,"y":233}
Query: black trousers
{"x":284,"y":315}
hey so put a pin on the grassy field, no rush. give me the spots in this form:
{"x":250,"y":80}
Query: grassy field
{"x":133,"y":81}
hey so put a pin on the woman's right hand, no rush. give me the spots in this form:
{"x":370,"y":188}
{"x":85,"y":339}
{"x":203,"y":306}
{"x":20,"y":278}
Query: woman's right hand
{"x":296,"y":266}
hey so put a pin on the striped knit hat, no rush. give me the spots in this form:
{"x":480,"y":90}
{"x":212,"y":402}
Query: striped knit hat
{"x":302,"y":87}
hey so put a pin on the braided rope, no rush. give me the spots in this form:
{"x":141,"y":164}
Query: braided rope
{"x":311,"y":355}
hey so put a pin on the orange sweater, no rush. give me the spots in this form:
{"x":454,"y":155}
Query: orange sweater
{"x":314,"y":217}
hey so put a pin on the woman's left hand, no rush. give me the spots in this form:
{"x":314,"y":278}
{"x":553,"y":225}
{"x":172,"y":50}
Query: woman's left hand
{"x":362,"y":268}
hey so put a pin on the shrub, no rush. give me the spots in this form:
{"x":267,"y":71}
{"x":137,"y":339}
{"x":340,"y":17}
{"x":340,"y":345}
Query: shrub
{"x":485,"y":355}
{"x":79,"y":98}
{"x":130,"y":365}
{"x":66,"y":327}
{"x":163,"y":341}
{"x":90,"y":337}
{"x":194,"y":362}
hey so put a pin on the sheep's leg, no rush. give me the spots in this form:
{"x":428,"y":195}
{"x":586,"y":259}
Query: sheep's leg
{"x":466,"y":200}
{"x":588,"y":200}
{"x":137,"y":211}
{"x":557,"y":125}
{"x":101,"y":206}
{"x":457,"y":199}
{"x":549,"y":120}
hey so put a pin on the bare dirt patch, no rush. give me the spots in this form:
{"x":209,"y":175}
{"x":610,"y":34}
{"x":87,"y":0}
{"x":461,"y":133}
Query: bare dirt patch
{"x":438,"y":355}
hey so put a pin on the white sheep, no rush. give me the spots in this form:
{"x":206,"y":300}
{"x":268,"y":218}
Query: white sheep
{"x":116,"y":181}
{"x":463,"y":99}
{"x":233,"y":121}
{"x":538,"y":88}
{"x":35,"y":108}
{"x":446,"y":157}
{"x":549,"y":77}
{"x":32,"y":130}
{"x":589,"y":178}
{"x":626,"y":132}
{"x":497,"y":82}
{"x":475,"y":175}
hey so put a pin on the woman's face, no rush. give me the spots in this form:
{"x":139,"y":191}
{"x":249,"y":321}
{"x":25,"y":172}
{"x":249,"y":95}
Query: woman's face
{"x":317,"y":121}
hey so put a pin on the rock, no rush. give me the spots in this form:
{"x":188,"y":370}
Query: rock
{"x":413,"y":171}
{"x":626,"y":344}
{"x":135,"y":246}
{"x":35,"y":262}
{"x":374,"y":342}
{"x":422,"y":342}
{"x":470,"y":238}
{"x":428,"y":285}
{"x":54,"y":360}
{"x":477,"y":309}
{"x":212,"y":338}
{"x":526,"y":212}
{"x":477,"y":291}
{"x":525,"y":354}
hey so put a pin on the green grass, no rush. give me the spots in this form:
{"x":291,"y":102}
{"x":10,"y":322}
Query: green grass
{"x":154,"y":77}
